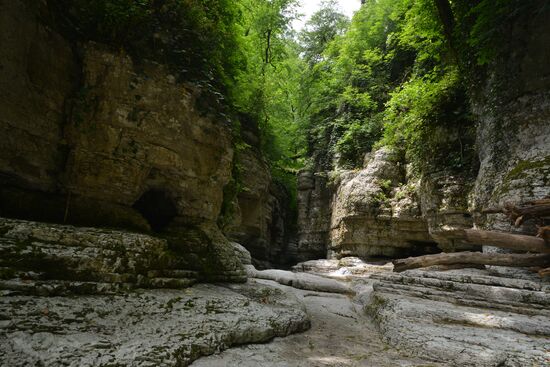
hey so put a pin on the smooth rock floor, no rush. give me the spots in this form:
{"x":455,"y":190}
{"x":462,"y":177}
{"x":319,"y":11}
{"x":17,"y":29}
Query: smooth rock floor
{"x":339,"y":336}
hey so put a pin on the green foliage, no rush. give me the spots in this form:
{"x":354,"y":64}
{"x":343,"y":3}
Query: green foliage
{"x":268,"y":87}
{"x":324,"y":26}
{"x":429,"y":117}
{"x":491,"y":21}
{"x":393,"y":78}
{"x":352,"y":82}
{"x":359,"y":138}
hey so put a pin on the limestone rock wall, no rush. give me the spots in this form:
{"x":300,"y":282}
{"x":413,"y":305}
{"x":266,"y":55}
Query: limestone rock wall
{"x":383,"y":210}
{"x":375,"y":212}
{"x":314,"y":212}
{"x":444,"y":202}
{"x":513,"y":108}
{"x":32,"y":101}
{"x":136,"y":131}
{"x":93,"y":137}
{"x":261,"y":220}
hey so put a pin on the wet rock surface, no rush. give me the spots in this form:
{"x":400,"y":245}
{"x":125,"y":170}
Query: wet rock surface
{"x":145,"y":327}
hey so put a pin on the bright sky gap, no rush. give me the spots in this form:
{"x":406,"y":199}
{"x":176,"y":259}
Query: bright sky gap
{"x":308,"y":7}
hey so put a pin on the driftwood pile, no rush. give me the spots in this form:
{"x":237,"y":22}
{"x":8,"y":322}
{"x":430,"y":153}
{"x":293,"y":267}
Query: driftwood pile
{"x":535,"y":249}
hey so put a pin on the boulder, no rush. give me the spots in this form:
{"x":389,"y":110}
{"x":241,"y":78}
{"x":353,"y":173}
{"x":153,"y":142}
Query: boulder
{"x":301,"y":280}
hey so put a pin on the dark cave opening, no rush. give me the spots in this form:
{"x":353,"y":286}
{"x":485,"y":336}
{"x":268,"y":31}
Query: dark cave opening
{"x":157,"y":207}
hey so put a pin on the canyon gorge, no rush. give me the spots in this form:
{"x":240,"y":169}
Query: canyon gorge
{"x":140,"y":227}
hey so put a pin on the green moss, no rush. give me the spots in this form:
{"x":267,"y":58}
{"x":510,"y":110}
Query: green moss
{"x":520,"y":170}
{"x":201,"y":250}
{"x":524,"y":169}
{"x":189,"y":304}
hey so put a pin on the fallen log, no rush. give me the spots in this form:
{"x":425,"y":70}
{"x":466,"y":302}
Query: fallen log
{"x":510,"y":241}
{"x":544,"y":272}
{"x":520,"y":213}
{"x":472,"y":258}
{"x":460,"y":266}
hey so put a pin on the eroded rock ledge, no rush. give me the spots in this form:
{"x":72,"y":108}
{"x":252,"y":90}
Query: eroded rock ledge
{"x":143,"y":328}
{"x":93,"y":297}
{"x":466,"y":317}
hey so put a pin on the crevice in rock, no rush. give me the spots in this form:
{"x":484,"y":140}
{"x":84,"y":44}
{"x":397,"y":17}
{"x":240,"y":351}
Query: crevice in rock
{"x":157,"y":207}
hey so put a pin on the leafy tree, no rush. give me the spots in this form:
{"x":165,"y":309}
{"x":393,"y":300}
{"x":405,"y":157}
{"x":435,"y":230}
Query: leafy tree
{"x":323,"y":27}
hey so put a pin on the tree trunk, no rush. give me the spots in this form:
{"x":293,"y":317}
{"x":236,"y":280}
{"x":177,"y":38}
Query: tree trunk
{"x":506,"y":240}
{"x":447,"y":19}
{"x":474,"y":258}
{"x":522,"y":212}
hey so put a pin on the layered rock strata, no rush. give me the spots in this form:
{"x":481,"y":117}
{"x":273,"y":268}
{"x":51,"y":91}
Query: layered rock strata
{"x":513,"y":107}
{"x":147,"y":328}
{"x":261,"y":218}
{"x":444,"y":203}
{"x":104,"y":140}
{"x":465,"y":318}
{"x":375,"y":214}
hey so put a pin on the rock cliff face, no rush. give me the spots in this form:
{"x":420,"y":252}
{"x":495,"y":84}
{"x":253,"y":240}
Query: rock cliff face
{"x":379,"y":210}
{"x":375,"y":214}
{"x":260,"y":218}
{"x":134,"y":132}
{"x":32,"y":148}
{"x":513,"y":107}
{"x":314,"y":211}
{"x":101,"y":139}
{"x":444,"y":203}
